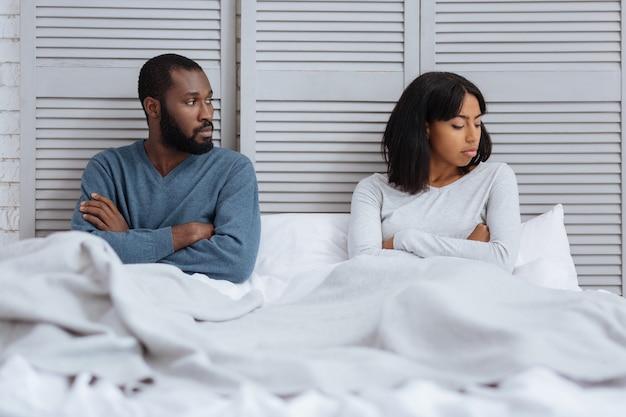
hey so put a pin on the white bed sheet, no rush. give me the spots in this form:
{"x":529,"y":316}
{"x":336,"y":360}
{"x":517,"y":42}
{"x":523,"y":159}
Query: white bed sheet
{"x":25,"y":392}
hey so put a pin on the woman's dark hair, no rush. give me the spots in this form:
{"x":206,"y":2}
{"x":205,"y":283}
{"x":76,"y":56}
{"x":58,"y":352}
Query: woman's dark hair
{"x":155,"y":75}
{"x":433,"y":96}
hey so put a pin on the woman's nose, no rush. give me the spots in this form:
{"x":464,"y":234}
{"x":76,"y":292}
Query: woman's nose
{"x":473,"y":133}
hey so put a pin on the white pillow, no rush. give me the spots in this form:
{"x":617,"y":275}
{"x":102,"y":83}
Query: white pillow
{"x":293,"y":243}
{"x":544,"y":255}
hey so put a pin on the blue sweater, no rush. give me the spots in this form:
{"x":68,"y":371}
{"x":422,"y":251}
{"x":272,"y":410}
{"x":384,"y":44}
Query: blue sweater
{"x":218,"y":187}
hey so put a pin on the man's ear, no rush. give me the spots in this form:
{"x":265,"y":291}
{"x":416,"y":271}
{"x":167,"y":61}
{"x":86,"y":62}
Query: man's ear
{"x":152,"y":106}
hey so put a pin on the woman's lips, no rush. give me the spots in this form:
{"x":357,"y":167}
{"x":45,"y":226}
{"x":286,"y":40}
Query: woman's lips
{"x":470,"y":153}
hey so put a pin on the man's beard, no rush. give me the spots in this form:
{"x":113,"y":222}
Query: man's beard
{"x":174,"y":138}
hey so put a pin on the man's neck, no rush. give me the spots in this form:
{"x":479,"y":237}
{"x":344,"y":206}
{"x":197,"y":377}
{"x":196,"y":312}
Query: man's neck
{"x":163,"y":158}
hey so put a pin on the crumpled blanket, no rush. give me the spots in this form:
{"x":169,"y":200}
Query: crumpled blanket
{"x":68,"y":305}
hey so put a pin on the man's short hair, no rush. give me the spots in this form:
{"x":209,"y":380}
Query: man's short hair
{"x":155,"y":75}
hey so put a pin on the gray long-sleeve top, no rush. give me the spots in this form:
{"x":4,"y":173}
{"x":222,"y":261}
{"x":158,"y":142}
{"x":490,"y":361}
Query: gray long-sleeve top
{"x":438,"y":221}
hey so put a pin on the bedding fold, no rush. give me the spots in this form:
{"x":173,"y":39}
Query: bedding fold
{"x":69,"y":306}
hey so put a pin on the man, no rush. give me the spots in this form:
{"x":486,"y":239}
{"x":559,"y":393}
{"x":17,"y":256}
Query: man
{"x":174,"y":198}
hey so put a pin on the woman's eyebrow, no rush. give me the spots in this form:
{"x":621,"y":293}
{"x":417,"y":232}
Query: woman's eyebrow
{"x":467,"y":117}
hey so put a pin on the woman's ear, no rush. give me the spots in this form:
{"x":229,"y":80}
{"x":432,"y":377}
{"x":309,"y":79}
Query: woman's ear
{"x":152,"y":106}
{"x":427,"y":131}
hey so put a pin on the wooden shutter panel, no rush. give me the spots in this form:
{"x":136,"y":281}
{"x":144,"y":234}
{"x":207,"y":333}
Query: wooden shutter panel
{"x":326,"y":77}
{"x":551,"y":73}
{"x":87,"y":57}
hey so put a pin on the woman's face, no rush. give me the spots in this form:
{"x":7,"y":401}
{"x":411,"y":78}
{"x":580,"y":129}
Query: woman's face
{"x":454,"y":142}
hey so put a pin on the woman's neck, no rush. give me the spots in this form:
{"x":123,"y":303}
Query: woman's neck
{"x":442,"y":177}
{"x":441,"y":180}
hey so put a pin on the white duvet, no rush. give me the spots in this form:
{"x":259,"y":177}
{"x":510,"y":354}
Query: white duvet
{"x":351,"y":341}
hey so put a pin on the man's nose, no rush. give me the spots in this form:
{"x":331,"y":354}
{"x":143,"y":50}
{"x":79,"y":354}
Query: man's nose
{"x":206,"y":111}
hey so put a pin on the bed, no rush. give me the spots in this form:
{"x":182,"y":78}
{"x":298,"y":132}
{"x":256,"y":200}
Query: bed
{"x":310,"y":334}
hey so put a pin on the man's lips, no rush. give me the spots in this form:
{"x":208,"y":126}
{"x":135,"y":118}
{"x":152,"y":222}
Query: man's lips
{"x":206,"y":131}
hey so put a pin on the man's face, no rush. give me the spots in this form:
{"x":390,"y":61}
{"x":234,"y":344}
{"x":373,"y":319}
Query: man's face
{"x":187,"y":113}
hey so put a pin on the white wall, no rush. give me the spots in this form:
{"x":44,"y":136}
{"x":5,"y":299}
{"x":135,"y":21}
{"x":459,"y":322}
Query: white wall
{"x":9,"y":120}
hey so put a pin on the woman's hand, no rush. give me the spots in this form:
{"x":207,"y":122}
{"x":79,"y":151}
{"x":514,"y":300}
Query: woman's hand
{"x":480,"y":233}
{"x":388,"y":244}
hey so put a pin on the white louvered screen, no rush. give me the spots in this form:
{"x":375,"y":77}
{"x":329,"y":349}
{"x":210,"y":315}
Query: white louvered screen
{"x":330,"y":36}
{"x":528,"y":35}
{"x":550,"y":71}
{"x":318,"y":80}
{"x":327,"y":76}
{"x":309,"y":155}
{"x":88,"y":56}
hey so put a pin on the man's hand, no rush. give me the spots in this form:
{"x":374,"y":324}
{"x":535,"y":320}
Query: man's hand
{"x":388,"y":244}
{"x":480,"y":233}
{"x":102,"y":213}
{"x":187,"y":234}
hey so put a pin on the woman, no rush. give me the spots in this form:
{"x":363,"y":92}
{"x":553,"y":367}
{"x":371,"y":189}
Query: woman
{"x":439,"y":196}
